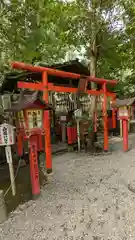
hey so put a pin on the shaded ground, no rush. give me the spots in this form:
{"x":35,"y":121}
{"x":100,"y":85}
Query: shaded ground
{"x":86,"y":198}
{"x":23,"y":186}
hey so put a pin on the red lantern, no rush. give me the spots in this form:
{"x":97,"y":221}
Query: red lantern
{"x":123,"y":113}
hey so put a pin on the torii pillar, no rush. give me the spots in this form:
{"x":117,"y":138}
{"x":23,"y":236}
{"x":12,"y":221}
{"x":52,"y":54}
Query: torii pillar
{"x":47,"y":125}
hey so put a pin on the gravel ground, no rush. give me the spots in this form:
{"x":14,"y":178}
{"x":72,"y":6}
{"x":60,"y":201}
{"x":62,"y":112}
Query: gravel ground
{"x":87,"y":198}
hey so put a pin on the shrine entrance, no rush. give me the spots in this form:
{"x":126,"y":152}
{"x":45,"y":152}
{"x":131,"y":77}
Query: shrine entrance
{"x":67,"y":95}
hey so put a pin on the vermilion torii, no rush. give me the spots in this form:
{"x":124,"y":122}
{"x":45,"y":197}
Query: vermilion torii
{"x":46,"y":87}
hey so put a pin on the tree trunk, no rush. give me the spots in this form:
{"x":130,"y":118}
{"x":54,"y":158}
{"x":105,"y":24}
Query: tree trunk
{"x":93,"y":65}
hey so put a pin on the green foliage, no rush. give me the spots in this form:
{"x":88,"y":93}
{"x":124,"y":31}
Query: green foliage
{"x":29,"y":31}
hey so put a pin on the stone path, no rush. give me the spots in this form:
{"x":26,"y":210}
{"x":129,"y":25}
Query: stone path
{"x":87,"y":198}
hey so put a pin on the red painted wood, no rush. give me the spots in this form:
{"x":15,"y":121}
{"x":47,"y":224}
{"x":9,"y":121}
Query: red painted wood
{"x":114,"y":114}
{"x":51,"y":87}
{"x":48,"y":149}
{"x":47,"y":125}
{"x":59,"y":73}
{"x":110,"y":123}
{"x":125,"y":134}
{"x":54,"y":72}
{"x":105,"y":119}
{"x":95,"y":121}
{"x":45,"y":87}
{"x":33,"y":86}
{"x":40,"y":143}
{"x":34,"y":171}
{"x":102,"y":80}
{"x":71,"y":135}
{"x":20,"y":144}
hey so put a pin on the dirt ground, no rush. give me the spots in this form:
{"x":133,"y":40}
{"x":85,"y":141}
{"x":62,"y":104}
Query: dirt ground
{"x":86,"y":198}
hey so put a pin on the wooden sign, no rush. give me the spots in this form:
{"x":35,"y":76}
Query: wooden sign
{"x":7,"y":134}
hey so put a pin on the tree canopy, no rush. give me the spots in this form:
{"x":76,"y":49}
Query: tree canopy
{"x":49,"y":30}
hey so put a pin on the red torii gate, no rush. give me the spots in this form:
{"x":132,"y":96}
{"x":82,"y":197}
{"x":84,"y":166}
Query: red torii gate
{"x":46,"y":87}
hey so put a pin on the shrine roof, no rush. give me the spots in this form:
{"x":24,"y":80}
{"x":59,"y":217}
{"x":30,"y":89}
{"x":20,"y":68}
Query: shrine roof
{"x":124,"y":102}
{"x":29,"y":101}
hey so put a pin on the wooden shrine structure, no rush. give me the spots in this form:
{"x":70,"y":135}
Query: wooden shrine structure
{"x":46,"y":87}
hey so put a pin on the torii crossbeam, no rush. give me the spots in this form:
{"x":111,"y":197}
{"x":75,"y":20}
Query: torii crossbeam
{"x":46,"y":87}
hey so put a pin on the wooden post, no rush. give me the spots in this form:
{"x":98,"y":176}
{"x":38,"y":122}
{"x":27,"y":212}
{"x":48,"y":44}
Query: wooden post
{"x":63,"y":132}
{"x":40,"y":144}
{"x":121,"y":128}
{"x":34,"y":171}
{"x":129,"y":112}
{"x":47,"y":125}
{"x":3,"y":212}
{"x":125,"y":134}
{"x":95,"y":121}
{"x":11,"y":169}
{"x":78,"y":135}
{"x":113,"y":115}
{"x":105,"y":119}
{"x":129,"y":125}
{"x":20,"y":144}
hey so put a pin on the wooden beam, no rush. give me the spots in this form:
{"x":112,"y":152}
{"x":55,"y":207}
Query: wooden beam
{"x":33,"y":86}
{"x":50,"y":71}
{"x":54,"y":88}
{"x":59,"y":73}
{"x":51,"y":87}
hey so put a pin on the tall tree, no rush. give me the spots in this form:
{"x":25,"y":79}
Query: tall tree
{"x":93,"y":23}
{"x":35,"y":31}
{"x":29,"y":31}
